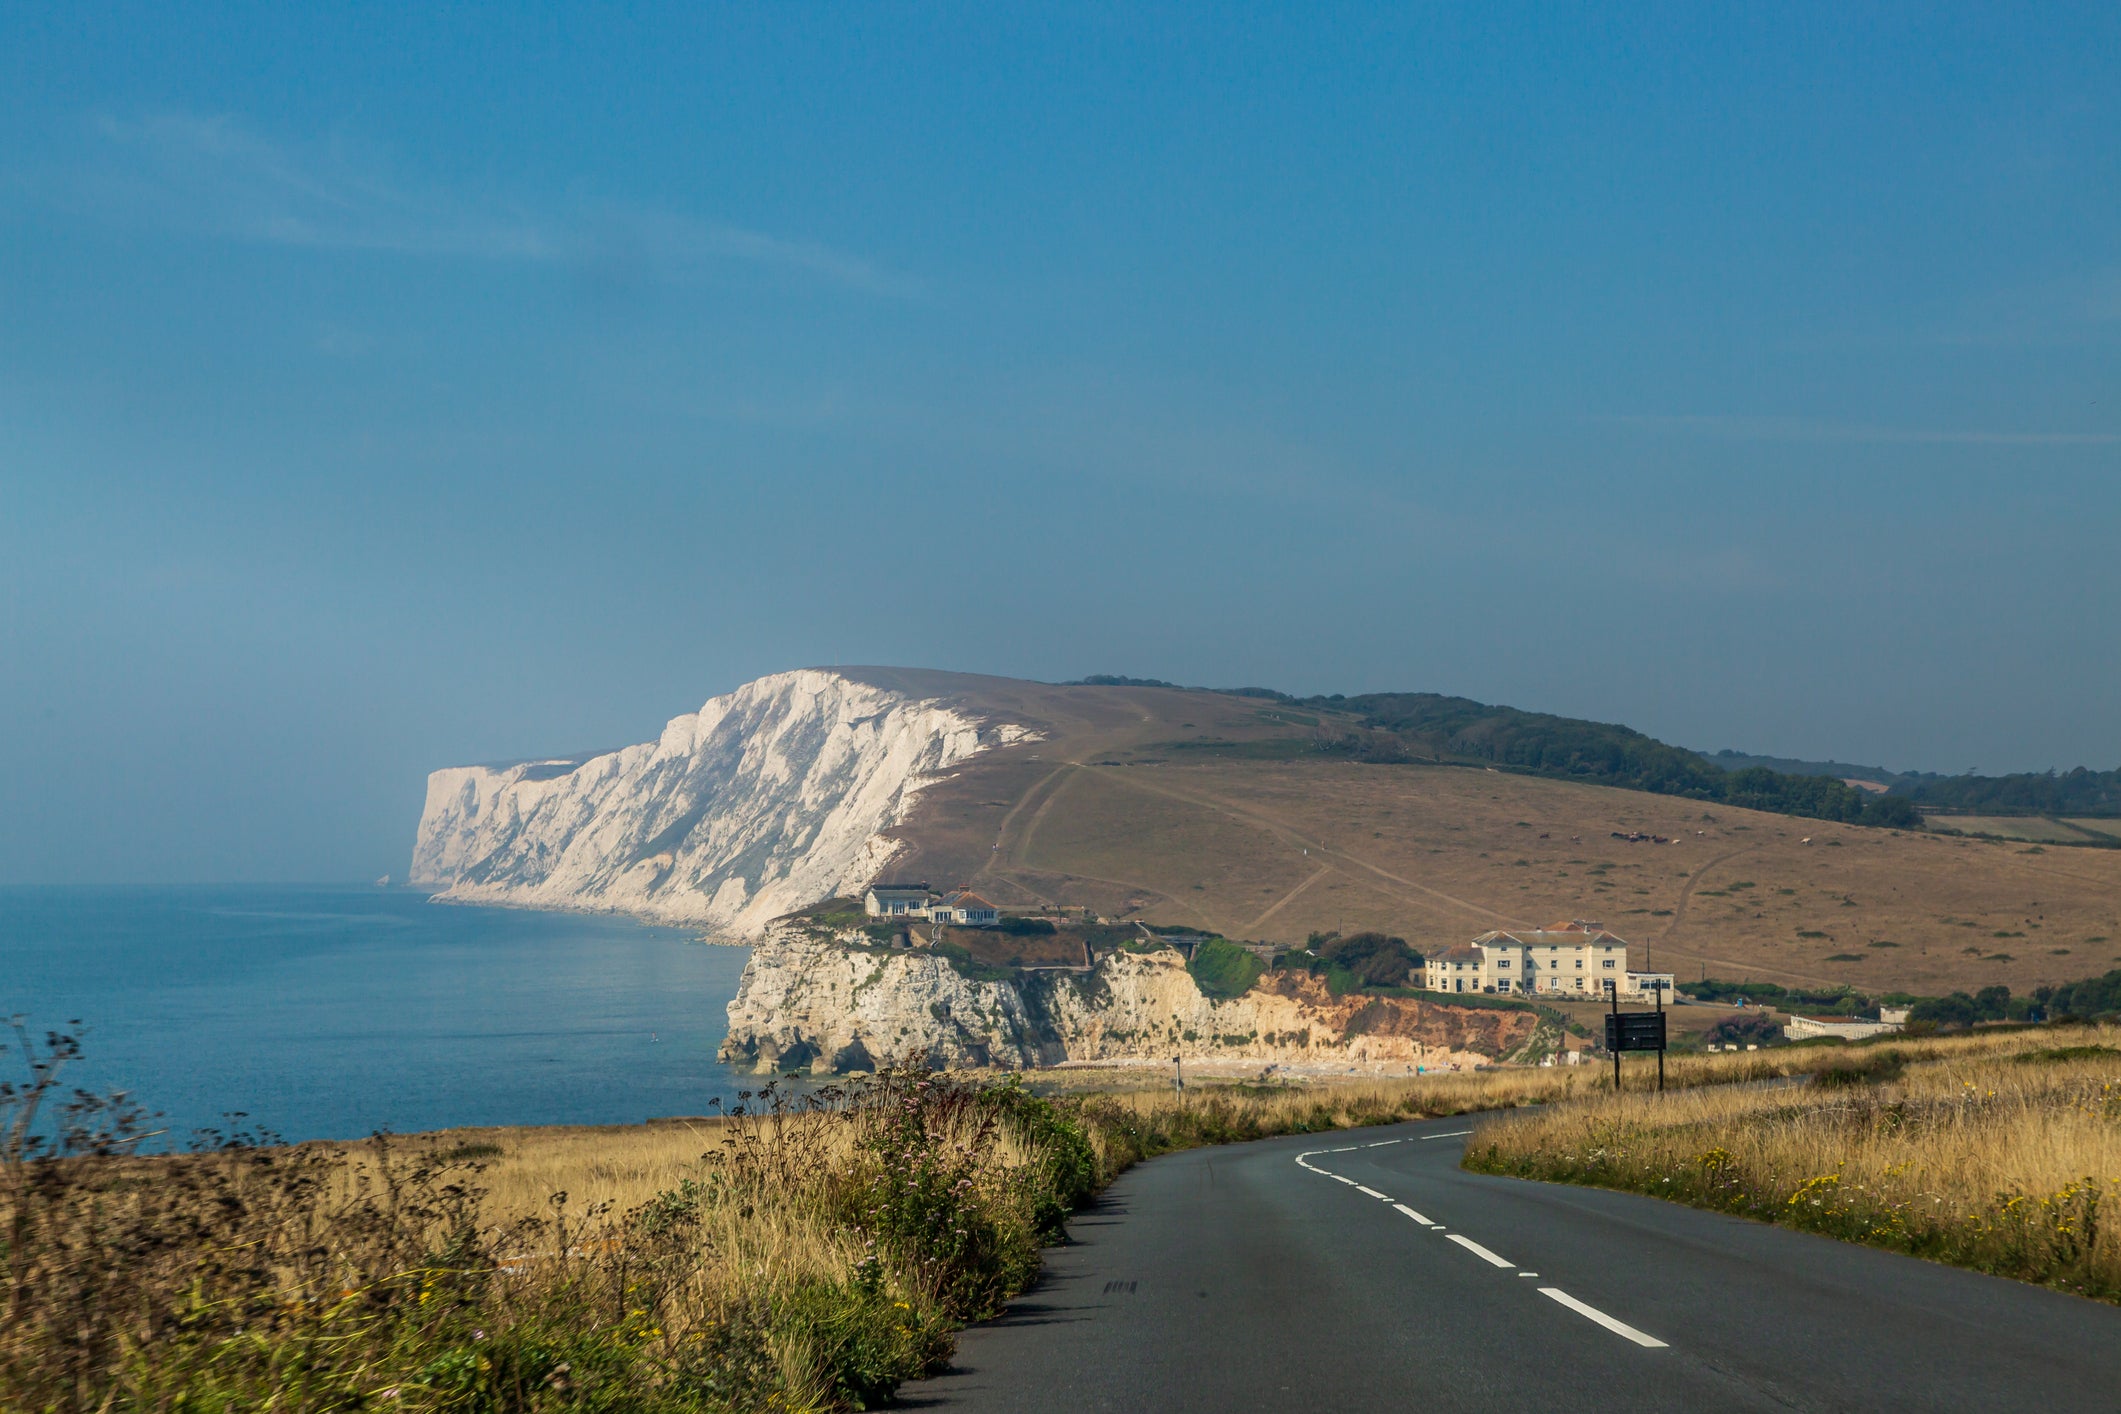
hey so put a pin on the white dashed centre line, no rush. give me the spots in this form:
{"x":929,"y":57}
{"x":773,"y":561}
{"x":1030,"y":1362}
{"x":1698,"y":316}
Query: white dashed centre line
{"x":1481,"y":1252}
{"x":1454,"y":1134}
{"x":1619,"y":1328}
{"x":1588,"y":1312}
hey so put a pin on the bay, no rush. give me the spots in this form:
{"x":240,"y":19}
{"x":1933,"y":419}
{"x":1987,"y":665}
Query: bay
{"x":332,"y":1011}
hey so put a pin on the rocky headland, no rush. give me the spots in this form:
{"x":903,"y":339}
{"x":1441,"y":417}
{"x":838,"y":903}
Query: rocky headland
{"x":833,"y":1005}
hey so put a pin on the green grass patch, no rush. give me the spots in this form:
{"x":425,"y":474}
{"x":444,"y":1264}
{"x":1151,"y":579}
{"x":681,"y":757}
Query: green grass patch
{"x":1222,"y":969}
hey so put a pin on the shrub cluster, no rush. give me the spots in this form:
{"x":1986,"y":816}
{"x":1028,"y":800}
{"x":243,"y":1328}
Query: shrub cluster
{"x":1359,"y":961}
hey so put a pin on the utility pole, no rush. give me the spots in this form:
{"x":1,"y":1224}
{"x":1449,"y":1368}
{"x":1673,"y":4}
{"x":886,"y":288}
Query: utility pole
{"x":1657,"y":984}
{"x":1612,"y":990}
{"x":1178,"y":1056}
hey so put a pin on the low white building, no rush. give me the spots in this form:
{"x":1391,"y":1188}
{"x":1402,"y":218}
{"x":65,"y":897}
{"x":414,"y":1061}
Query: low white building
{"x":1645,"y":986}
{"x":1805,"y":1028}
{"x":897,"y":901}
{"x":964,"y":908}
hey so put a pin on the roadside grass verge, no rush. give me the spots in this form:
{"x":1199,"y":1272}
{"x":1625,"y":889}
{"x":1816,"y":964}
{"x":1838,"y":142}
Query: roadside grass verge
{"x":811,"y":1253}
{"x":1999,"y":1152}
{"x":806,"y":1253}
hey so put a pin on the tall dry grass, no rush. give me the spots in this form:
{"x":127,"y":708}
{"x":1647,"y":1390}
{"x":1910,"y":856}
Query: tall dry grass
{"x":2000,"y":1152}
{"x":810,"y":1256}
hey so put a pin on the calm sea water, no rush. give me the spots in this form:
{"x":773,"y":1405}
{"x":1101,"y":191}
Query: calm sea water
{"x":331,"y":1012}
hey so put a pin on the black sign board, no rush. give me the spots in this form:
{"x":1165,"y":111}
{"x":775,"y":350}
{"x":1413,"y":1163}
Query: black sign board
{"x":1634,"y":1031}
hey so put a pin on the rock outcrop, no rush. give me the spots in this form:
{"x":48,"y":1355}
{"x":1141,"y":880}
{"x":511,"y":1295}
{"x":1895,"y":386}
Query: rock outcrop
{"x":810,"y":1004}
{"x":765,"y":800}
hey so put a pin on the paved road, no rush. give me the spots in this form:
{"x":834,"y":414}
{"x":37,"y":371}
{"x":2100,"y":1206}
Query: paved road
{"x":1303,"y":1273}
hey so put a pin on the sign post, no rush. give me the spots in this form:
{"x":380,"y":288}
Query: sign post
{"x":1634,"y":1031}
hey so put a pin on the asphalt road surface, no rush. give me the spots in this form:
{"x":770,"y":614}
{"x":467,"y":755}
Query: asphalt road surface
{"x":1366,"y":1271}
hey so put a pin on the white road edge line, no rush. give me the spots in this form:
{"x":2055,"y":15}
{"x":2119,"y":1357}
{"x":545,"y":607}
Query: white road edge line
{"x":1619,"y":1328}
{"x":1414,"y":1215}
{"x":1491,"y":1259}
{"x":1372,"y":1192}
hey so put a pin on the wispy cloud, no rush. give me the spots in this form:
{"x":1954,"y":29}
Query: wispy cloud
{"x":214,"y":175}
{"x":1795,"y":429}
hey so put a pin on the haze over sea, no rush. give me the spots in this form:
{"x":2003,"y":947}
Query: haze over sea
{"x":331,"y":1011}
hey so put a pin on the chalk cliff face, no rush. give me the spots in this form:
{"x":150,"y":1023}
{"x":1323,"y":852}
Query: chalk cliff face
{"x":810,"y":1004}
{"x":765,"y":800}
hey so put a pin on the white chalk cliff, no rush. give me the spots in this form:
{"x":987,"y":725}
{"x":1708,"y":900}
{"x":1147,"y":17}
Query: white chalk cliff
{"x":766,"y":800}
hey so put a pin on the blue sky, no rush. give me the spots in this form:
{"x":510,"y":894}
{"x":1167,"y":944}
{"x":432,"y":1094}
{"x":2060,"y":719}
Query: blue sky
{"x":383,"y":390}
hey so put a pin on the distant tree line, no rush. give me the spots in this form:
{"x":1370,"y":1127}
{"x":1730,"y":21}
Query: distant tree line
{"x":2091,"y":998}
{"x":1965,"y":1008}
{"x":1815,"y":999}
{"x":1428,"y":726}
{"x":2077,"y":792}
{"x":1411,"y":726}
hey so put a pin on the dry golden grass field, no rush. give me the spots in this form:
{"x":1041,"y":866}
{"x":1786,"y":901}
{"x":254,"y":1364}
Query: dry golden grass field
{"x":1997,"y":1151}
{"x":1207,"y":810}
